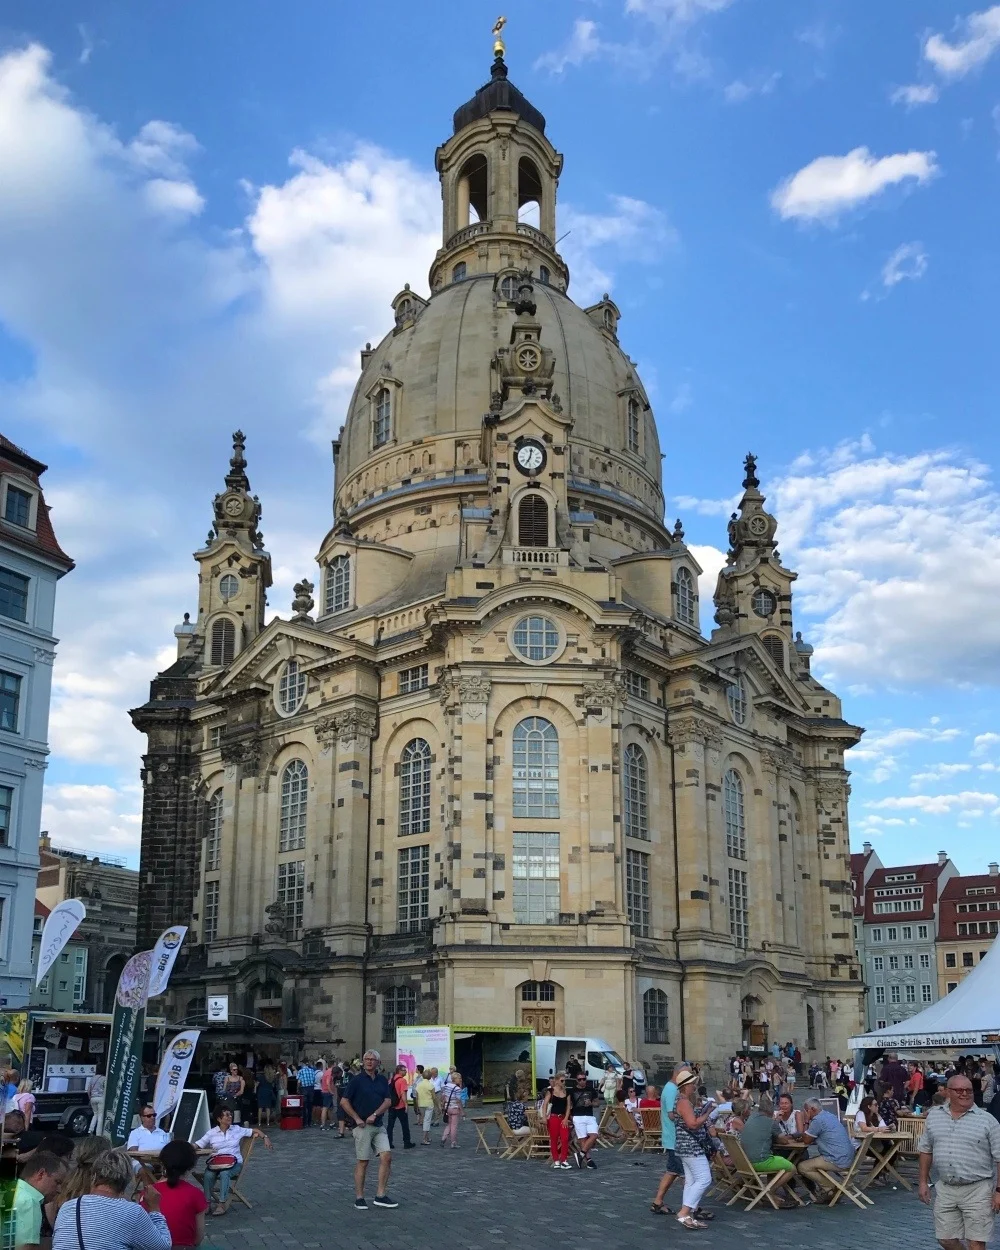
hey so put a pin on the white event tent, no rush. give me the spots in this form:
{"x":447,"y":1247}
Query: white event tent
{"x":966,"y":1019}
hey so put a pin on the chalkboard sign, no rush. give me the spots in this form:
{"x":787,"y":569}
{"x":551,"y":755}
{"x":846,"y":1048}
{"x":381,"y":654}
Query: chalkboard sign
{"x":36,"y":1066}
{"x":190,"y":1120}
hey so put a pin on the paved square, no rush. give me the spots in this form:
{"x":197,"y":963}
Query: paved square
{"x":453,"y":1199}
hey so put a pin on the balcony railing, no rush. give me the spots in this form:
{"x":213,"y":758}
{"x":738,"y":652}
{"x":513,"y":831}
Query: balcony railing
{"x":485,"y":227}
{"x":551,"y":556}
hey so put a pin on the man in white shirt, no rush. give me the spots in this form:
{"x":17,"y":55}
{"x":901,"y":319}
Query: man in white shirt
{"x":147,"y":1136}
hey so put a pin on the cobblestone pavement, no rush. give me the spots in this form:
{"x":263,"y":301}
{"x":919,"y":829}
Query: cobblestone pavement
{"x":302,"y":1195}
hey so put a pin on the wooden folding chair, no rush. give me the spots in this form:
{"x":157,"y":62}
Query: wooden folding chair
{"x":538,"y":1143}
{"x":631,"y":1137}
{"x":842,"y":1181}
{"x":650,"y":1138}
{"x":607,"y":1128}
{"x":246,"y":1150}
{"x":754,"y":1185}
{"x":511,"y":1146}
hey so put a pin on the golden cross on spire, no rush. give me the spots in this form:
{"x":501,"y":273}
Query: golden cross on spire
{"x":499,"y":47}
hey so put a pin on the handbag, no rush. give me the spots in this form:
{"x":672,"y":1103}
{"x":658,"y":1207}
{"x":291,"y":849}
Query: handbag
{"x":79,"y":1223}
{"x":221,"y":1162}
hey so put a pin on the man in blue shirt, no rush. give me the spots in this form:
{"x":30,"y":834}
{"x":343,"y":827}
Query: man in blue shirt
{"x":834,"y":1148}
{"x":668,"y":1139}
{"x":367,"y":1098}
{"x":307,"y":1085}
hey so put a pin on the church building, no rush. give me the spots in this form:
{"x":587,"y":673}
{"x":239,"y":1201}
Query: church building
{"x":501,"y":766}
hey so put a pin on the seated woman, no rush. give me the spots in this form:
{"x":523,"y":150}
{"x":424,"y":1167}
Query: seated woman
{"x":513,"y":1107}
{"x":789,"y":1120}
{"x":225,"y":1140}
{"x":105,"y":1217}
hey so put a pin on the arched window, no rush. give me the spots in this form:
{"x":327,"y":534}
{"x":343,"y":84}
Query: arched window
{"x":415,"y":788}
{"x":294,"y":792}
{"x":382,"y":417}
{"x":529,"y":189}
{"x":291,"y":688}
{"x":609,"y":319}
{"x":472,"y":192}
{"x":636,"y":801}
{"x":538,"y":992}
{"x":654,"y":1017}
{"x":543,"y":275}
{"x":633,"y":419}
{"x":774,"y":645}
{"x":399,"y":1006}
{"x":684,"y":589}
{"x":458,"y":273}
{"x":736,"y":697}
{"x":338,"y":584}
{"x":536,"y":768}
{"x":223,"y":642}
{"x":533,"y":521}
{"x":810,"y":1028}
{"x":213,"y":831}
{"x":732,"y":797}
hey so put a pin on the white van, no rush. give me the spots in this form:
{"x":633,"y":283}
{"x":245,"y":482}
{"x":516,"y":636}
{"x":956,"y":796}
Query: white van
{"x":552,"y":1054}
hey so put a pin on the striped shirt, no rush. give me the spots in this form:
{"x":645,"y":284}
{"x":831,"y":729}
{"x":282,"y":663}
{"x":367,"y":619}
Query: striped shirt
{"x":965,"y":1150}
{"x":109,"y":1224}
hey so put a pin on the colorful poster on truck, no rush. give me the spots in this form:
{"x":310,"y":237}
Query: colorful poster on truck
{"x":13,"y":1025}
{"x":426,"y":1044}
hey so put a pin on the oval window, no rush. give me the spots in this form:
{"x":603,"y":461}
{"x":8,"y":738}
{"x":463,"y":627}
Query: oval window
{"x":291,"y":688}
{"x":229,"y":587}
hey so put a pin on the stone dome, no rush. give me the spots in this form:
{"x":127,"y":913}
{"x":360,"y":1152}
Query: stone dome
{"x":439,"y":370}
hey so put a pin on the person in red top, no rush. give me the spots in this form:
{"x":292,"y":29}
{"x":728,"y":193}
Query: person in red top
{"x":400,"y":1085}
{"x":651,"y":1098}
{"x":182,"y":1201}
{"x":915,"y":1083}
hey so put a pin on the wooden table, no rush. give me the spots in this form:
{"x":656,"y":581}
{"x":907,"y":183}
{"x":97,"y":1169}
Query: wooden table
{"x":882,"y":1160}
{"x":482,"y":1122}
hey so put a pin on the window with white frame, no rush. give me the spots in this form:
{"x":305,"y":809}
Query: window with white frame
{"x":292,"y":892}
{"x":338,"y":584}
{"x":10,"y":701}
{"x":633,"y":424}
{"x":294,"y":805}
{"x":414,"y":888}
{"x":880,"y":1024}
{"x":878,"y":963}
{"x":636,"y":795}
{"x":739,"y":907}
{"x":6,"y":810}
{"x":210,"y":912}
{"x":892,"y":934}
{"x":907,"y":961}
{"x":79,"y":977}
{"x":911,"y":993}
{"x":684,"y":592}
{"x":538,"y":992}
{"x":926,"y":994}
{"x":536,"y":638}
{"x":880,"y":994}
{"x":922,"y":932}
{"x":907,"y":933}
{"x":637,"y":684}
{"x":876,"y":935}
{"x":732,"y":799}
{"x":415,"y":788}
{"x":13,"y":595}
{"x":411,"y":679}
{"x":925,"y":960}
{"x":654,"y":1018}
{"x":215,"y":735}
{"x":637,"y":891}
{"x":399,"y":1007}
{"x":291,"y":688}
{"x":736,"y":697}
{"x":536,"y":769}
{"x":17,"y":507}
{"x":535,"y":872}
{"x":894,"y":993}
{"x":382,"y":417}
{"x":893,"y":963}
{"x":213,"y":832}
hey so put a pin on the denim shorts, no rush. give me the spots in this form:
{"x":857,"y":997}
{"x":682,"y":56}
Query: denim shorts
{"x":674,"y":1165}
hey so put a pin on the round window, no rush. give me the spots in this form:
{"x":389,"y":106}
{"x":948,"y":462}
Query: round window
{"x":763,"y":602}
{"x":229,"y":587}
{"x":739,"y":707}
{"x":291,"y":688}
{"x":536,"y":638}
{"x":508,"y":287}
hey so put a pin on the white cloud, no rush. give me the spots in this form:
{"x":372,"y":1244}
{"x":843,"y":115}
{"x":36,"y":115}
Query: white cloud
{"x":583,"y":44}
{"x":831,"y":185}
{"x":915,"y":94}
{"x":970,"y":803}
{"x":632,"y":230}
{"x":740,"y":89}
{"x":683,"y":398}
{"x":907,"y":262}
{"x":880,"y":751}
{"x":977,"y":38}
{"x":939,"y":772}
{"x":93,"y":818}
{"x":982,"y":744}
{"x":681,"y":11}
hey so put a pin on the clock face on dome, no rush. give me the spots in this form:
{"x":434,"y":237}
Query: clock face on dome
{"x":530,"y":456}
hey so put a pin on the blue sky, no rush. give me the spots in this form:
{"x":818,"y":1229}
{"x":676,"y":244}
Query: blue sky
{"x":205,"y":210}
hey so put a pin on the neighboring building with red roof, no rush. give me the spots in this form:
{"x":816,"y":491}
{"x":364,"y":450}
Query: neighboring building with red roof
{"x":896,"y":923}
{"x":31,"y":564}
{"x":967,"y":927}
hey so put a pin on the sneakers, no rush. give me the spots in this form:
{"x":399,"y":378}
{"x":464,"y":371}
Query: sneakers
{"x":556,"y":1165}
{"x":591,"y":1164}
{"x":578,"y":1158}
{"x":409,"y":1145}
{"x":360,"y":1204}
{"x":566,"y":1165}
{"x":385,"y":1201}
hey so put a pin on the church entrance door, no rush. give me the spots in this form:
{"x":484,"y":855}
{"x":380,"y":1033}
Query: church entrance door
{"x":541,"y":1019}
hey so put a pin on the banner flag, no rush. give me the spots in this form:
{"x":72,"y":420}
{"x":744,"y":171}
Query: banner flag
{"x":174,"y":1068}
{"x":168,"y":944}
{"x":125,"y":1050}
{"x":62,"y":923}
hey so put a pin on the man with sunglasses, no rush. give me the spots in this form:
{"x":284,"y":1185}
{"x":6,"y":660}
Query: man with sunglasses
{"x":962,"y":1141}
{"x":582,"y":1099}
{"x":147,"y":1136}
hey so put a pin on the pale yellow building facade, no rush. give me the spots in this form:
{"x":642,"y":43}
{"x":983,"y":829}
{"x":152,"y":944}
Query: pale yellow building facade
{"x":501,"y":766}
